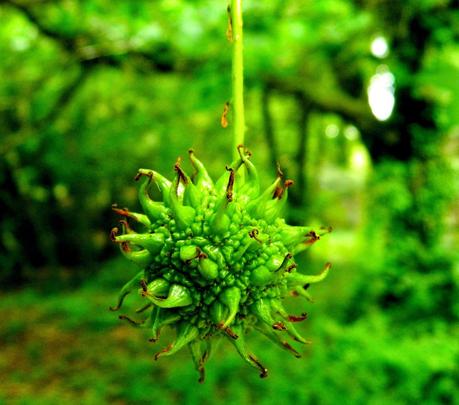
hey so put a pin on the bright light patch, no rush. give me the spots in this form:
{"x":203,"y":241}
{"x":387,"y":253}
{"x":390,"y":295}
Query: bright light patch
{"x":359,"y":160}
{"x":351,"y":133}
{"x":331,"y":131}
{"x":20,"y":43}
{"x":381,"y":93}
{"x":380,"y":47}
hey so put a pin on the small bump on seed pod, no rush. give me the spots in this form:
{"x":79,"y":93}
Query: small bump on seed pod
{"x":217,"y":260}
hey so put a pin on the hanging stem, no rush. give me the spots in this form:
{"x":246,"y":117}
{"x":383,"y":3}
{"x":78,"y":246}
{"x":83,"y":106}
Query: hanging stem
{"x":237,"y":75}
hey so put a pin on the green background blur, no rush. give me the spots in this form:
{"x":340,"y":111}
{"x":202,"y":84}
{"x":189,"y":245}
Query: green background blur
{"x":358,"y":100}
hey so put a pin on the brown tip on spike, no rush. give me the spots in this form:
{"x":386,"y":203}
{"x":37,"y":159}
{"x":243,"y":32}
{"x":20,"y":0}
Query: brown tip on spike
{"x":154,"y":339}
{"x":139,"y":174}
{"x":130,"y":320}
{"x":229,"y":29}
{"x":224,"y":117}
{"x":162,"y":351}
{"x":142,"y":309}
{"x":291,"y":349}
{"x":287,"y":257}
{"x":263,"y":369}
{"x":180,"y":172}
{"x":288,"y":183}
{"x":244,"y":153}
{"x":143,"y":285}
{"x":280,"y":173}
{"x":202,"y":375}
{"x":291,"y":267}
{"x":326,"y":229}
{"x":113,"y":234}
{"x":230,"y":186}
{"x":306,"y":286}
{"x":313,"y":238}
{"x":125,"y":247}
{"x":121,"y":211}
{"x":204,"y":358}
{"x":124,"y":223}
{"x":313,"y":235}
{"x":278,"y":192}
{"x":125,"y":226}
{"x":115,"y":308}
{"x":294,"y":318}
{"x":254,"y":235}
{"x":279,"y":326}
{"x":228,"y":331}
{"x":190,"y":151}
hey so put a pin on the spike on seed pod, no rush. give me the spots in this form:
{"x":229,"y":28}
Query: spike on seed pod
{"x":216,"y":260}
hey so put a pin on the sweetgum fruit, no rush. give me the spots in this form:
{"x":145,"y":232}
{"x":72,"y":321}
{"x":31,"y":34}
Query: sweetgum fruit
{"x":216,"y":259}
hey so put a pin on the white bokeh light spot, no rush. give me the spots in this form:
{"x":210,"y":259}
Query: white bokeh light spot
{"x":381,"y":93}
{"x":379,"y":47}
{"x":331,"y":131}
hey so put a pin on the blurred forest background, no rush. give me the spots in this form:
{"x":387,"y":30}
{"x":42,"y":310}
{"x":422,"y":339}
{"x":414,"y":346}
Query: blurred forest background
{"x":359,"y":102}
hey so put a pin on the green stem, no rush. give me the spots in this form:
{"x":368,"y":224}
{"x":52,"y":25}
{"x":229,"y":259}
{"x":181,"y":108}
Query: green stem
{"x":237,"y":76}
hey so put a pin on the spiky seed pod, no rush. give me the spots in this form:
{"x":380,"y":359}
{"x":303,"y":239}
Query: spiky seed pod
{"x":216,"y":260}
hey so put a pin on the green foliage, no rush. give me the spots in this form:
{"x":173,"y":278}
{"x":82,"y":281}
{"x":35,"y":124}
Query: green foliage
{"x":91,"y":90}
{"x":74,"y":351}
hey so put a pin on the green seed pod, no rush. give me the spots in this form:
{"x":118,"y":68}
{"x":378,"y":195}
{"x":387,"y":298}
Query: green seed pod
{"x":200,"y":356}
{"x":208,"y":269}
{"x":127,"y":288}
{"x":216,"y":259}
{"x":186,"y":333}
{"x":140,"y":218}
{"x":188,"y":252}
{"x":218,"y":313}
{"x":153,"y":210}
{"x":261,"y":276}
{"x":150,"y":241}
{"x":202,"y":179}
{"x":157,"y":287}
{"x":178,"y":296}
{"x":142,"y":258}
{"x":231,"y":297}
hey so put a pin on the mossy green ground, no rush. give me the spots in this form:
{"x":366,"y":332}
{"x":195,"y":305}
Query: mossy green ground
{"x":67,"y":347}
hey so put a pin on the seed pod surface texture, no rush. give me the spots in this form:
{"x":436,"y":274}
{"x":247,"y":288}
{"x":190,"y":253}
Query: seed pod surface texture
{"x":216,"y":260}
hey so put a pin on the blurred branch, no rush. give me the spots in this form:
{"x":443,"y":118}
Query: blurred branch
{"x":304,"y":107}
{"x":63,"y":100}
{"x":68,"y":42}
{"x":38,"y":126}
{"x":86,"y":57}
{"x":77,"y":46}
{"x":376,"y":135}
{"x":324,"y":99}
{"x":268,"y":125}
